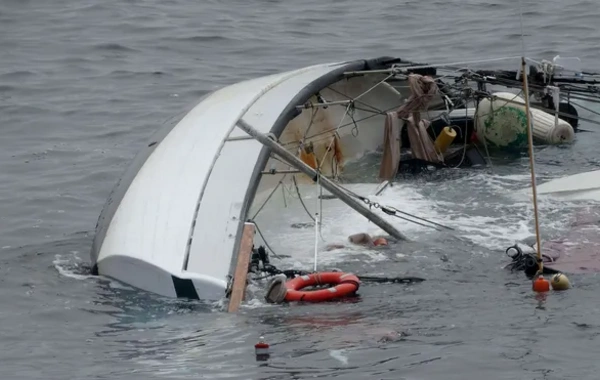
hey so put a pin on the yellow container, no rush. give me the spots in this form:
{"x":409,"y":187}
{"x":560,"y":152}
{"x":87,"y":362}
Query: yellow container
{"x":444,"y":140}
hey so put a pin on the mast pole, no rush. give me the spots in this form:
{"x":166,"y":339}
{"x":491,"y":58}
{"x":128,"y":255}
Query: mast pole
{"x":324,"y":181}
{"x":532,"y":164}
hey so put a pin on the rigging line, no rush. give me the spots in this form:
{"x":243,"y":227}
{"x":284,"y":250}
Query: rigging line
{"x":416,"y":217}
{"x":579,"y":86}
{"x":506,"y":102}
{"x":310,"y":124}
{"x":591,"y":99}
{"x":509,"y":83}
{"x":333,"y":139}
{"x":415,"y":222}
{"x":366,"y":200}
{"x":265,"y":240}
{"x":353,"y":122}
{"x":300,"y":198}
{"x":320,"y":206}
{"x":350,"y":98}
{"x":321,"y":213}
{"x":356,"y":99}
{"x":586,"y":95}
{"x":363,"y":119}
{"x":583,"y":107}
{"x":269,"y":197}
{"x":372,"y":88}
{"x":443,"y":112}
{"x":388,"y":77}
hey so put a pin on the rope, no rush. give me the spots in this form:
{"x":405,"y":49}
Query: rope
{"x":310,"y":124}
{"x":355,"y":101}
{"x":265,"y":240}
{"x":269,"y":197}
{"x":464,"y":154}
{"x":371,"y":89}
{"x":333,"y":139}
{"x":353,"y":122}
{"x":393,"y":211}
{"x":348,"y":107}
{"x":582,"y":107}
{"x":300,"y":198}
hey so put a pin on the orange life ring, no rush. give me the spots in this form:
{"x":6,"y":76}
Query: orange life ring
{"x":345,"y":284}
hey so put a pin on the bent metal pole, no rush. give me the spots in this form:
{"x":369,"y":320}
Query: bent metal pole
{"x":325,"y":182}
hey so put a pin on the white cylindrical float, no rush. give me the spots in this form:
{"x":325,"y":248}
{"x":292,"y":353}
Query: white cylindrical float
{"x":502,"y":122}
{"x":547,"y":131}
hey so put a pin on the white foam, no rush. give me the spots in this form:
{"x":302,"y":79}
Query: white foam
{"x":339,"y":356}
{"x":65,"y":266}
{"x":339,"y":221}
{"x":479,"y":207}
{"x":118,"y":285}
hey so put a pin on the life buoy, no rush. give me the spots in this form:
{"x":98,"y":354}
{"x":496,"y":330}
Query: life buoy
{"x":345,"y":284}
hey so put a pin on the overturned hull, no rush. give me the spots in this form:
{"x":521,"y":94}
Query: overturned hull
{"x":173,"y":223}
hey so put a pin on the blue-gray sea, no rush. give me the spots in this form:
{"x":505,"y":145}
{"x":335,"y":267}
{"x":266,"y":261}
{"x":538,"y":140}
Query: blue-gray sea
{"x":83,"y":85}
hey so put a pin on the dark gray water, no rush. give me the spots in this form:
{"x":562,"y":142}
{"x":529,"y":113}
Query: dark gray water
{"x":83,"y":84}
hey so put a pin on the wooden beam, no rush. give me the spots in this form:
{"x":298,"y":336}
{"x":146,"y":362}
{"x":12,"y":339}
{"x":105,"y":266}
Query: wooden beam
{"x":241,"y":270}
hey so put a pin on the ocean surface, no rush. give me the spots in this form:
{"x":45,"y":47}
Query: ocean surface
{"x":83,"y":85}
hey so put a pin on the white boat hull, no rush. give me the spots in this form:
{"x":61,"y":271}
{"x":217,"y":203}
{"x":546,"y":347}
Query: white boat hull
{"x":173,"y":223}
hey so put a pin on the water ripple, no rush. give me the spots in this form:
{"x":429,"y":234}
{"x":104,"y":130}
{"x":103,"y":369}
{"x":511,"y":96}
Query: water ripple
{"x":84,"y":84}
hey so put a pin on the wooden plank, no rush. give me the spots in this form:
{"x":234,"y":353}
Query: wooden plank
{"x":241,"y":270}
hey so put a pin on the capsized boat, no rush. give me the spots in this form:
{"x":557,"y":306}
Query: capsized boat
{"x":177,"y":220}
